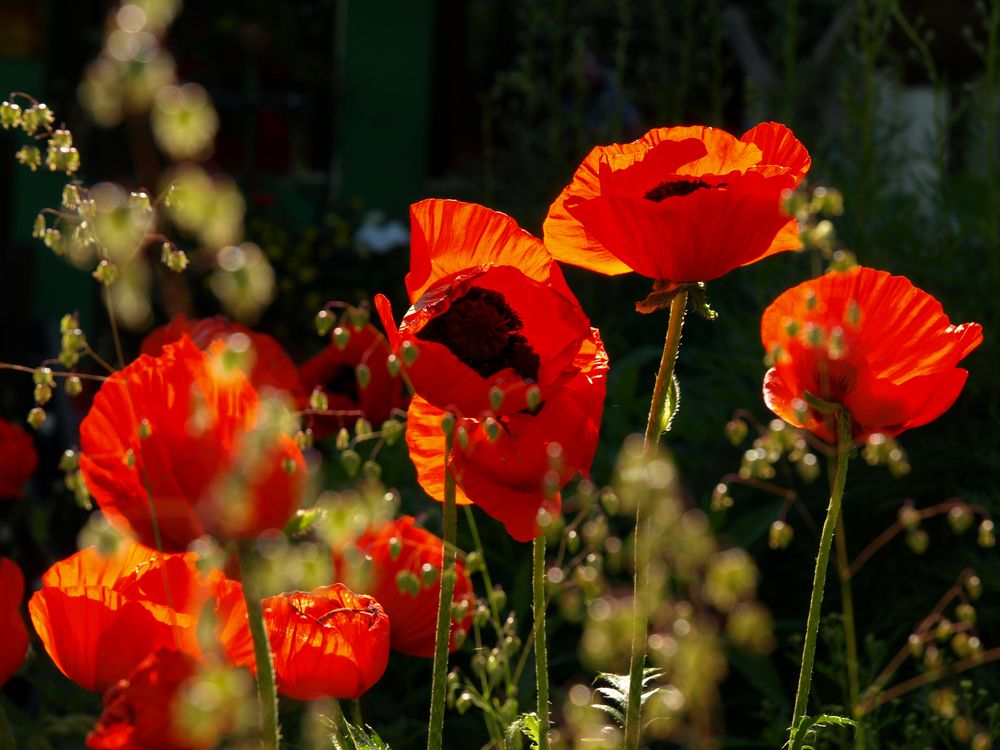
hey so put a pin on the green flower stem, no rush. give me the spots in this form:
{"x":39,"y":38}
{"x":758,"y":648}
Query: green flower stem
{"x":847,"y":606}
{"x":267,"y":693}
{"x":844,"y":445}
{"x":541,"y":656}
{"x":442,"y":638}
{"x":640,"y":615}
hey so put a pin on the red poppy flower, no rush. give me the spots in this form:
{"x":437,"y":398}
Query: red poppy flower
{"x":334,"y":370}
{"x":331,"y":643}
{"x":140,"y":712}
{"x":13,"y":633}
{"x":503,"y":344}
{"x":174,"y":440}
{"x":18,"y":459}
{"x":866,"y":340}
{"x":98,"y":617}
{"x":680,"y":205}
{"x":269,"y":366}
{"x":402,"y":571}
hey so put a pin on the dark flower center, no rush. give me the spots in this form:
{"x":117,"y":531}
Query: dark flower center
{"x":676,"y":188}
{"x":482,"y":330}
{"x":343,"y":382}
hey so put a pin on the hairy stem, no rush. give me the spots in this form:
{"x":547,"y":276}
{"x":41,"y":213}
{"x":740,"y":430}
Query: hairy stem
{"x":844,"y":445}
{"x":541,"y":656}
{"x":640,"y":615}
{"x":267,"y":693}
{"x":442,"y":637}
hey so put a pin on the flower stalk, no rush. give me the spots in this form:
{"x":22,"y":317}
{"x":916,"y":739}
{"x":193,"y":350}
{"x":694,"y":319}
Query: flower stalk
{"x":267,"y":693}
{"x":654,"y":428}
{"x":845,"y":444}
{"x":442,"y":637}
{"x":541,"y":654}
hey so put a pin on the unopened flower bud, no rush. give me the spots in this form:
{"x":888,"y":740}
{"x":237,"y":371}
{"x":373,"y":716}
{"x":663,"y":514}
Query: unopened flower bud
{"x":395,"y":547}
{"x":364,"y":375}
{"x":966,"y":613}
{"x":960,"y":519}
{"x":391,"y":431}
{"x":10,"y":115}
{"x":533,"y":397}
{"x":29,"y":156}
{"x":69,"y":461}
{"x":987,"y":537}
{"x":341,"y":338}
{"x":974,"y":587}
{"x":917,"y":540}
{"x":393,"y":365}
{"x":343,"y":441}
{"x":106,"y":272}
{"x":736,"y":431}
{"x":318,"y":400}
{"x":780,"y":535}
{"x":36,"y":417}
{"x":304,"y":439}
{"x":324,"y":322}
{"x":496,"y":396}
{"x":371,"y":470}
{"x":909,"y":516}
{"x":39,"y":227}
{"x":351,"y":462}
{"x":407,"y":583}
{"x":492,"y":429}
{"x":410,"y":351}
{"x":358,"y":316}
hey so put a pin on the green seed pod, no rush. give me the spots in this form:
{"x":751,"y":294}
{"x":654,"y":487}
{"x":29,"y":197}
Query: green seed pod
{"x":351,"y":462}
{"x":364,"y":375}
{"x":324,"y":322}
{"x":73,"y":386}
{"x":318,"y":400}
{"x":392,"y":430}
{"x":341,"y":338}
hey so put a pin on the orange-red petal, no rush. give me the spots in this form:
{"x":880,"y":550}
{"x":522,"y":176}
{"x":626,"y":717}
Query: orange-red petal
{"x":870,"y":341}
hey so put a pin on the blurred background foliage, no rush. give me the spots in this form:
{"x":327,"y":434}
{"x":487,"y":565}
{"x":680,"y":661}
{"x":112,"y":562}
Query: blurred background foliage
{"x":333,"y":116}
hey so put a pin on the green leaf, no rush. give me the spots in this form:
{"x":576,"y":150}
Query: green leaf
{"x":808,"y":728}
{"x":350,"y":737}
{"x":527,"y":724}
{"x":670,"y":404}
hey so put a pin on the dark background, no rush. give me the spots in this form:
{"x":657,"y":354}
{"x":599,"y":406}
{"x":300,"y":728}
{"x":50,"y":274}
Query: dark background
{"x":330,"y":111}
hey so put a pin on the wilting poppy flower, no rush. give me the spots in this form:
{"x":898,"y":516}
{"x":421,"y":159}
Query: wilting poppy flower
{"x":503,"y":344}
{"x":98,"y":617}
{"x":334,"y":371}
{"x":268,"y":365}
{"x":18,"y":459}
{"x":331,"y":643}
{"x":868,"y":341}
{"x":402,"y":570}
{"x":680,"y":205}
{"x":177,"y":440}
{"x":140,"y":712}
{"x":13,"y":633}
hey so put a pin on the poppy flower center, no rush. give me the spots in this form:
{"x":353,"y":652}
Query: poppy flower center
{"x":676,"y":188}
{"x":343,"y":382}
{"x":482,"y":330}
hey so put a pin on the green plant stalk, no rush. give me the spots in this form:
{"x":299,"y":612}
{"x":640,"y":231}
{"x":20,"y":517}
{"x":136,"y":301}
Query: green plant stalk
{"x":850,"y":628}
{"x":541,"y":656}
{"x":640,"y":615}
{"x":847,"y":605}
{"x":267,"y":693}
{"x":844,"y":445}
{"x":442,"y":636}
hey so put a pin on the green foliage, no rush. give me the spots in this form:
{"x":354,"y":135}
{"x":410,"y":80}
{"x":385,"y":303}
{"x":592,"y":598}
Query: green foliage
{"x":804,"y":735}
{"x":349,"y":737}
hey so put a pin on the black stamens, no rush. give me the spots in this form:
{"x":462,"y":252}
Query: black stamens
{"x":482,"y":330}
{"x":675,"y":188}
